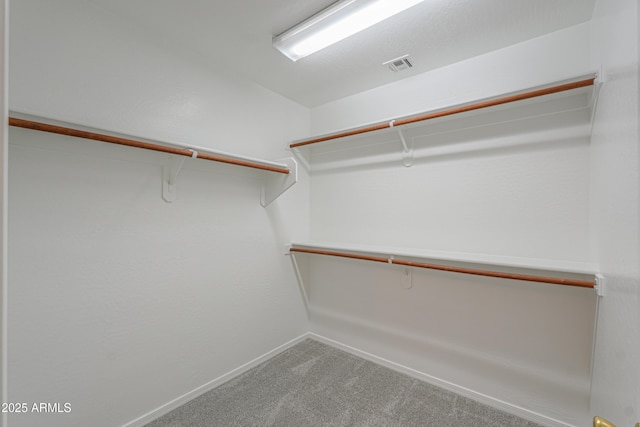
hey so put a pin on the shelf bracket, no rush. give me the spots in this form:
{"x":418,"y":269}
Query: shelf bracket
{"x":407,"y":148}
{"x":601,"y":285}
{"x":597,"y":84}
{"x":275,"y":185}
{"x":170,"y":172}
{"x":407,"y":278}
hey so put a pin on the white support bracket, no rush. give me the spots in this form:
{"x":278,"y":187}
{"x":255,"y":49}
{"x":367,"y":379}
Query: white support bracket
{"x":597,"y":85}
{"x":407,"y":148}
{"x":301,"y":157}
{"x":170,"y":172}
{"x":276,"y":183}
{"x":601,"y":285}
{"x":407,"y":278}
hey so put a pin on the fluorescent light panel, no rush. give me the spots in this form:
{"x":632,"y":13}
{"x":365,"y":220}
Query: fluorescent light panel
{"x":337,"y":22}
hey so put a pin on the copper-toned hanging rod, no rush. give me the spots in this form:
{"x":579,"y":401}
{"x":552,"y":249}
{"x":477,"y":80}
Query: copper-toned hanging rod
{"x":451,"y":111}
{"x":501,"y":275}
{"x":44,"y":127}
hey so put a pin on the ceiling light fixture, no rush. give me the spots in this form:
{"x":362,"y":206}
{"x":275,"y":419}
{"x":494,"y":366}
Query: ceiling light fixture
{"x":339,"y":21}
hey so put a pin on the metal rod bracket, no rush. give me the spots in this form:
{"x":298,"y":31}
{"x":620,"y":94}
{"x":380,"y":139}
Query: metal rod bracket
{"x":597,"y":85}
{"x":601,"y":285}
{"x":170,"y":172}
{"x":407,"y":148}
{"x":406,"y":278}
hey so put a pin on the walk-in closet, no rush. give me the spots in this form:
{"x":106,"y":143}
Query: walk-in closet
{"x":431,"y":221}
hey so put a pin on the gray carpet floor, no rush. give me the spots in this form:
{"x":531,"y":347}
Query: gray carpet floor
{"x":312,"y":384}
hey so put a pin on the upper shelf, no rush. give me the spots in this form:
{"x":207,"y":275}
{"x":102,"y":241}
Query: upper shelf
{"x":272,"y":188}
{"x":556,"y":97}
{"x":174,"y":148}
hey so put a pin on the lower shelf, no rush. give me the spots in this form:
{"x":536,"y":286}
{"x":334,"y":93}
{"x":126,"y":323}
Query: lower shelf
{"x":570,"y":273}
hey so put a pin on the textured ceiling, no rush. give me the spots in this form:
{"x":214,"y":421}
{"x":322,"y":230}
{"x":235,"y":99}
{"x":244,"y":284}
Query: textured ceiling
{"x":235,"y":36}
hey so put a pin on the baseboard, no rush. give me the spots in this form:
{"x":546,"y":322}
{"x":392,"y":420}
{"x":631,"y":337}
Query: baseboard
{"x":479,"y":397}
{"x":168,"y":407}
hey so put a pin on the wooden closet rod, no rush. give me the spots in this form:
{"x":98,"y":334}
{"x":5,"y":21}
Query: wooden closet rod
{"x":501,"y":275}
{"x":451,"y":111}
{"x":44,"y":127}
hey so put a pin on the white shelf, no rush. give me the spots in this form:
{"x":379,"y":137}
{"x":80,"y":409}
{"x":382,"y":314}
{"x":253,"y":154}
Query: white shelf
{"x":479,"y":129}
{"x":272,"y":188}
{"x":441,"y":135}
{"x":538,"y":104}
{"x":572,"y":267}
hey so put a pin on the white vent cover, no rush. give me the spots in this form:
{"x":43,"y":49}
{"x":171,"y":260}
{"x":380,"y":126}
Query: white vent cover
{"x":399,"y":64}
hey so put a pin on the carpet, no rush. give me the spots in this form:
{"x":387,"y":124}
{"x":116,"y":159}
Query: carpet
{"x":313,"y":384}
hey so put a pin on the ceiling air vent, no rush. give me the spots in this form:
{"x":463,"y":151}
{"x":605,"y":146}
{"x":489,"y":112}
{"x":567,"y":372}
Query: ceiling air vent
{"x":399,"y":64}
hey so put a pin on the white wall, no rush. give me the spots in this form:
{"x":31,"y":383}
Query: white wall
{"x":616,"y":381}
{"x":4,"y":170}
{"x":560,"y":55}
{"x":516,"y":190}
{"x":489,"y":184}
{"x":120,"y":302}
